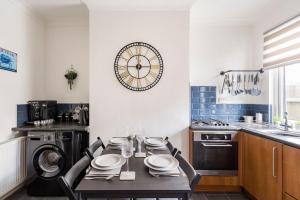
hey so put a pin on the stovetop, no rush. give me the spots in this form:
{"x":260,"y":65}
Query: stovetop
{"x":212,"y":124}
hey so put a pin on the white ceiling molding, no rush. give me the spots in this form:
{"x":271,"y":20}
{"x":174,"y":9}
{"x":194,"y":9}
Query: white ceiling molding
{"x":139,"y":4}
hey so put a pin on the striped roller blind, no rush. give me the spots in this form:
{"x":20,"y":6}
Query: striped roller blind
{"x":282,"y":44}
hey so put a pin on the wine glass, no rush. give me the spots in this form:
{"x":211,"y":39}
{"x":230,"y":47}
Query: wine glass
{"x":127,"y":151}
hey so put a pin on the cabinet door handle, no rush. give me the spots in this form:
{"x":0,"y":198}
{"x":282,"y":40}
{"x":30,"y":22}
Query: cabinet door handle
{"x":273,"y":162}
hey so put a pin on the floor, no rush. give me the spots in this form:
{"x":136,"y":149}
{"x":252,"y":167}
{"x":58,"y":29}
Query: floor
{"x":21,"y":195}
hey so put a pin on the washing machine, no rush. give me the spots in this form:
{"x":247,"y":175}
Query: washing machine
{"x":50,"y":155}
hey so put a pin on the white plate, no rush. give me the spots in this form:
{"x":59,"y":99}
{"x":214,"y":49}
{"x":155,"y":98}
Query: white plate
{"x":174,"y":165}
{"x":121,"y":163}
{"x":108,"y":160}
{"x":117,"y":141}
{"x":161,"y":161}
{"x":155,"y":142}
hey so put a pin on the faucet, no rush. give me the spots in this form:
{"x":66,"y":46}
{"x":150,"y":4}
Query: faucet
{"x":286,"y":122}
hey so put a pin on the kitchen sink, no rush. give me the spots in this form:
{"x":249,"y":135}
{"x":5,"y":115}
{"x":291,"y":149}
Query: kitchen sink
{"x":273,"y":131}
{"x":280,"y":132}
{"x":289,"y":134}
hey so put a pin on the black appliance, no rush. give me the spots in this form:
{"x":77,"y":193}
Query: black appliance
{"x":215,"y":152}
{"x":41,"y":110}
{"x":50,"y":155}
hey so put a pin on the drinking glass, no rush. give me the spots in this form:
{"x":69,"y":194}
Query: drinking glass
{"x":139,"y":139}
{"x":127,"y":151}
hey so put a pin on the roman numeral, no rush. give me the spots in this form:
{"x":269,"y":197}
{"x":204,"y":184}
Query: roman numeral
{"x":138,"y":83}
{"x":153,"y":58}
{"x":147,"y":81}
{"x":138,"y":50}
{"x":124,"y":58}
{"x":124,"y":75}
{"x":130,"y":80}
{"x":129,"y":52}
{"x":122,"y":67}
{"x":155,"y":66}
{"x":153,"y":75}
{"x":146,"y":52}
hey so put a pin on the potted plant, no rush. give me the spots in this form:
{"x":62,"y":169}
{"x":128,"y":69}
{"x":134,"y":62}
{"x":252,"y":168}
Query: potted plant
{"x":71,"y":75}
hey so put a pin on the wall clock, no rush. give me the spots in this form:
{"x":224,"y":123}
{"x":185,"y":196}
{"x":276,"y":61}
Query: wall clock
{"x":138,"y":66}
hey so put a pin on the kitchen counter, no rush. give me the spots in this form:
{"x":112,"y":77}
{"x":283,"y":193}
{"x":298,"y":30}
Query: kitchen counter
{"x":256,"y":129}
{"x":53,"y":127}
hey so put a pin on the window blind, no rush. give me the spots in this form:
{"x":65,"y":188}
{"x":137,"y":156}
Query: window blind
{"x":282,"y":44}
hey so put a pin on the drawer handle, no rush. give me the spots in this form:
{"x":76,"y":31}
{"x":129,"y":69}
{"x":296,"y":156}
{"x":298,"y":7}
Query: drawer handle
{"x":273,"y":162}
{"x":216,"y":145}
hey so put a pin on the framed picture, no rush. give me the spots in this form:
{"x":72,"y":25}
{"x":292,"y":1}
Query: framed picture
{"x":8,"y":60}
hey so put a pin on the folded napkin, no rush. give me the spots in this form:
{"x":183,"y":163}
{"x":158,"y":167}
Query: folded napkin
{"x":174,"y":172}
{"x":97,"y":172}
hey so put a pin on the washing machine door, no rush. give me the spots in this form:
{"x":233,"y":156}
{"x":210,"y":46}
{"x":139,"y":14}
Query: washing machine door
{"x":49,"y":161}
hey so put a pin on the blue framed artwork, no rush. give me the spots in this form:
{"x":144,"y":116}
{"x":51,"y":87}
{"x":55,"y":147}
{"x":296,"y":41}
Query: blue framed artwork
{"x":8,"y":60}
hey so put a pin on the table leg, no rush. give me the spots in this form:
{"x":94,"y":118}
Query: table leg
{"x":186,"y":196}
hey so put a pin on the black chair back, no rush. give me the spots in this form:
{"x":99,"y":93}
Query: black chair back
{"x":96,"y":145}
{"x":73,"y":176}
{"x":171,"y":148}
{"x":192,"y":175}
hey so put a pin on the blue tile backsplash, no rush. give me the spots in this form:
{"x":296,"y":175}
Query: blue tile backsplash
{"x":204,"y":106}
{"x":22,"y":114}
{"x":22,"y":111}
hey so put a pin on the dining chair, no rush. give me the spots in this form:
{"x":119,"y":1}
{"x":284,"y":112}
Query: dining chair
{"x":190,"y":172}
{"x":73,"y":176}
{"x":93,"y":148}
{"x":171,"y":148}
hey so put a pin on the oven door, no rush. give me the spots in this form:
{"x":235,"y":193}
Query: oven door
{"x":216,"y":158}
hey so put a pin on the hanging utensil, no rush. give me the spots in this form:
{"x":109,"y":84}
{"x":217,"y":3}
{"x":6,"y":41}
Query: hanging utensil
{"x":233,"y":86}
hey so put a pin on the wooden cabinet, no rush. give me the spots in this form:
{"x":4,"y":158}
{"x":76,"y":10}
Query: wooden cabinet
{"x":262,"y":161}
{"x":291,"y":172}
{"x":287,"y":197}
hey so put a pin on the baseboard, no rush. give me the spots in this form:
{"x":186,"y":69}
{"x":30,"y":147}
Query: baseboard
{"x":218,"y":188}
{"x":13,"y":190}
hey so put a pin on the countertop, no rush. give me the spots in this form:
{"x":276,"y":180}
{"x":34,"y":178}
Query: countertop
{"x":54,"y":127}
{"x":257,"y":129}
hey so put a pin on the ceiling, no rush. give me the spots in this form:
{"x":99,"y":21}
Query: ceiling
{"x":50,"y":9}
{"x":204,"y":9}
{"x":228,"y":9}
{"x":140,"y":4}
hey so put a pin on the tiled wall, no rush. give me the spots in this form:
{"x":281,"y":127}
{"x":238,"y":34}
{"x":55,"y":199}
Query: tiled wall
{"x":204,"y":106}
{"x":22,"y":111}
{"x":22,"y":114}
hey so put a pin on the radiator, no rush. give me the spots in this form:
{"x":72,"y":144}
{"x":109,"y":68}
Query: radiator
{"x":12,"y":164}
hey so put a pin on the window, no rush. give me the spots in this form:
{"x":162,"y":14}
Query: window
{"x":282,"y":56}
{"x":285,"y":92}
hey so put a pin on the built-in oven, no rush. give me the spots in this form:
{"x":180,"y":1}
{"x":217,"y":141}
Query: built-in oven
{"x":215,"y":152}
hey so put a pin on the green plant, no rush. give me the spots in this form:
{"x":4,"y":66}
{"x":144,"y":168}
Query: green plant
{"x":71,"y":75}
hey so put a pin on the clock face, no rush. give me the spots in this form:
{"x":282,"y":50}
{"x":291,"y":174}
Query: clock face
{"x":138,"y":66}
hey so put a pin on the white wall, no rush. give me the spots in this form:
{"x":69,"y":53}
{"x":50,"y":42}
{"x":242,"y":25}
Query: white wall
{"x":67,"y":43}
{"x":220,"y":46}
{"x":22,"y":33}
{"x":162,"y":110}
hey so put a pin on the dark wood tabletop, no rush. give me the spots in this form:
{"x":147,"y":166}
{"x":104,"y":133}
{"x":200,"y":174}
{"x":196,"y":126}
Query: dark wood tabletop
{"x":144,"y":185}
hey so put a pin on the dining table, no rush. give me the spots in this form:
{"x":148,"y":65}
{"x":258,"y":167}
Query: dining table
{"x":144,"y":185}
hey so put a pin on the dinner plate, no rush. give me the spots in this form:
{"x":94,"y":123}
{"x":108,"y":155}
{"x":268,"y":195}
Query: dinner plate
{"x":173,"y":166}
{"x":161,"y":161}
{"x":121,"y":163}
{"x":117,"y":141}
{"x":155,"y":142}
{"x":108,"y":160}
